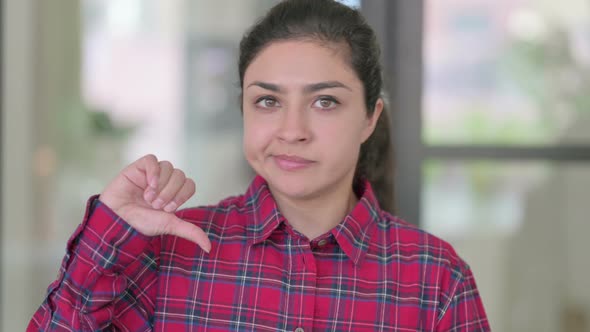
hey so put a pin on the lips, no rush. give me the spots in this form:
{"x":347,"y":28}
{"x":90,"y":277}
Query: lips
{"x":291,"y":162}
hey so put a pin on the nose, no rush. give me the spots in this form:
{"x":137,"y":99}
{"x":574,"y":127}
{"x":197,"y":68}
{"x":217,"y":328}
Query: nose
{"x":294,"y":126}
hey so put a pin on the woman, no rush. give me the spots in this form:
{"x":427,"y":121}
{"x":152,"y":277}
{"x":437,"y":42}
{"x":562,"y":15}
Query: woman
{"x":308,"y":247}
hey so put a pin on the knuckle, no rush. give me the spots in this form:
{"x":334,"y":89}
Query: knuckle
{"x":180,"y":173}
{"x":190,"y":183}
{"x":166,"y":164}
{"x":152,"y":162}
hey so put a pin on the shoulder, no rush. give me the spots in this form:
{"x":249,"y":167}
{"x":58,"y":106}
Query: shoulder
{"x":427,"y":260}
{"x":411,"y":244}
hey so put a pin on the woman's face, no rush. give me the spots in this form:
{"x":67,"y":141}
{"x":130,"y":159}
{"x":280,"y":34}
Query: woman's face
{"x":304,"y":118}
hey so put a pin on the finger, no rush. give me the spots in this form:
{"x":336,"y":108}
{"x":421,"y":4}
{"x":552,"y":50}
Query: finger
{"x":178,"y":227}
{"x":165,"y":169}
{"x":153,"y":223}
{"x":183,"y":195}
{"x":152,"y":169}
{"x":143,"y":171}
{"x":175,"y":183}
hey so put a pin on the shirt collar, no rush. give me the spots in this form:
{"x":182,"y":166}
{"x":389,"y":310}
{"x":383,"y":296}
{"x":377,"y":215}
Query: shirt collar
{"x":265,"y":212}
{"x":352,"y":234}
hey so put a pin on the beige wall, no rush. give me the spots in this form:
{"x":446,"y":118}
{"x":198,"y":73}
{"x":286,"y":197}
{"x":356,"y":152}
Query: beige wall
{"x":41,"y":76}
{"x":17,"y":187}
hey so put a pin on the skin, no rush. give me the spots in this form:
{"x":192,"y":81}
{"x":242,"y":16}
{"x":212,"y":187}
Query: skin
{"x":304,"y":122}
{"x":147,"y":193}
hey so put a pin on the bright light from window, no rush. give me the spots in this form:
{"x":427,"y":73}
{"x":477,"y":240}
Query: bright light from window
{"x":351,"y":3}
{"x":124,"y":17}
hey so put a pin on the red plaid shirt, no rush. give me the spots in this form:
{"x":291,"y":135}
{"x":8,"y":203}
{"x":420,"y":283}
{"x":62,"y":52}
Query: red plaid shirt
{"x":372,"y":272}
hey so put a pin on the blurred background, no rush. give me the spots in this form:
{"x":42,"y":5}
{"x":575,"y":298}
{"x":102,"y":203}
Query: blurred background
{"x":491,"y":114}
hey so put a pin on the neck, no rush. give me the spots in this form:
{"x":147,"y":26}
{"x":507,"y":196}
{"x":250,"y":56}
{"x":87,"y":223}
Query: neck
{"x":313,"y":217}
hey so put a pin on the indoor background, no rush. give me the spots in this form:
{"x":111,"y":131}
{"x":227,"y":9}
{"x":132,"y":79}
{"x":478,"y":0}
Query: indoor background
{"x":490,"y":105}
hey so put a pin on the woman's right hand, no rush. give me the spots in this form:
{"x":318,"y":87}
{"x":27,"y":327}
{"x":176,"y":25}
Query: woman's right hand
{"x":147,"y":193}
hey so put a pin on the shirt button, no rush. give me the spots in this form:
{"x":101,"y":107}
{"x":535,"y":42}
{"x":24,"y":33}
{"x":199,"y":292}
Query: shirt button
{"x":321,"y":243}
{"x":299,"y":329}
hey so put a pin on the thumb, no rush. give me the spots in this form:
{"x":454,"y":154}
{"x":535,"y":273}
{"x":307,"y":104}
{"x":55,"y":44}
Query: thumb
{"x":178,"y":227}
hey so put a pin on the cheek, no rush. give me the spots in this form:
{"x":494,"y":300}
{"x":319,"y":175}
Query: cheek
{"x":344,"y":147}
{"x":342,"y":139}
{"x":344,"y":133}
{"x":257,"y":136}
{"x":337,"y":144}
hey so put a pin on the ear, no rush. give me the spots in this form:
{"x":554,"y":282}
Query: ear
{"x":371,"y":122}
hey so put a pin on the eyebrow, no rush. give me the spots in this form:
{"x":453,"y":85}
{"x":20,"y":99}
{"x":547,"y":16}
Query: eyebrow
{"x":324,"y":85}
{"x":310,"y":88}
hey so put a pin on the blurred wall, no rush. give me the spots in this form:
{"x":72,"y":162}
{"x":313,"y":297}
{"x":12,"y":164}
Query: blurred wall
{"x":41,"y":76}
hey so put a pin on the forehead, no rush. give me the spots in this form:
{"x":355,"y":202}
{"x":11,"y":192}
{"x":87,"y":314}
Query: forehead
{"x":293,"y":62}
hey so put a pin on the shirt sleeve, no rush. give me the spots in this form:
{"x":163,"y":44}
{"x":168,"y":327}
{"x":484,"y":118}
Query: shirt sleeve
{"x":464,"y":311}
{"x":107,"y":278}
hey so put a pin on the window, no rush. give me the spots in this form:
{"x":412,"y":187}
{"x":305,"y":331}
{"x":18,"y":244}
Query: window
{"x":133,"y":77}
{"x":491,"y":122}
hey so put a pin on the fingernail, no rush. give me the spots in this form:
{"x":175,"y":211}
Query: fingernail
{"x":150,"y":195}
{"x":157,"y":204}
{"x":170,"y":207}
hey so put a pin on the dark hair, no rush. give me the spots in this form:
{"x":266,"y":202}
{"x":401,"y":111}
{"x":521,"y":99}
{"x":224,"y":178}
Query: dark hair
{"x":328,"y":21}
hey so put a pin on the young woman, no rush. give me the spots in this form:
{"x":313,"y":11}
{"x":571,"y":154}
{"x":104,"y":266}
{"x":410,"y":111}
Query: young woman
{"x":309,"y":247}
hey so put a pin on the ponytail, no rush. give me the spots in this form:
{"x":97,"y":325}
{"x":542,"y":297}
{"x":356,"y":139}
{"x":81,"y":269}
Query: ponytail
{"x":376,"y":163}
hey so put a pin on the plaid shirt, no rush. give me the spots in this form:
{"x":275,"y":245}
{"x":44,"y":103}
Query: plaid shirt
{"x":372,"y":272}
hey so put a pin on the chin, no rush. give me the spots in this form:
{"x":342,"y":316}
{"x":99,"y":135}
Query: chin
{"x":293,"y":185}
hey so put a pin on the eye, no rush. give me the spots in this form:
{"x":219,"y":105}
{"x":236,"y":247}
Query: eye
{"x":326,"y":103}
{"x":267,"y":102}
